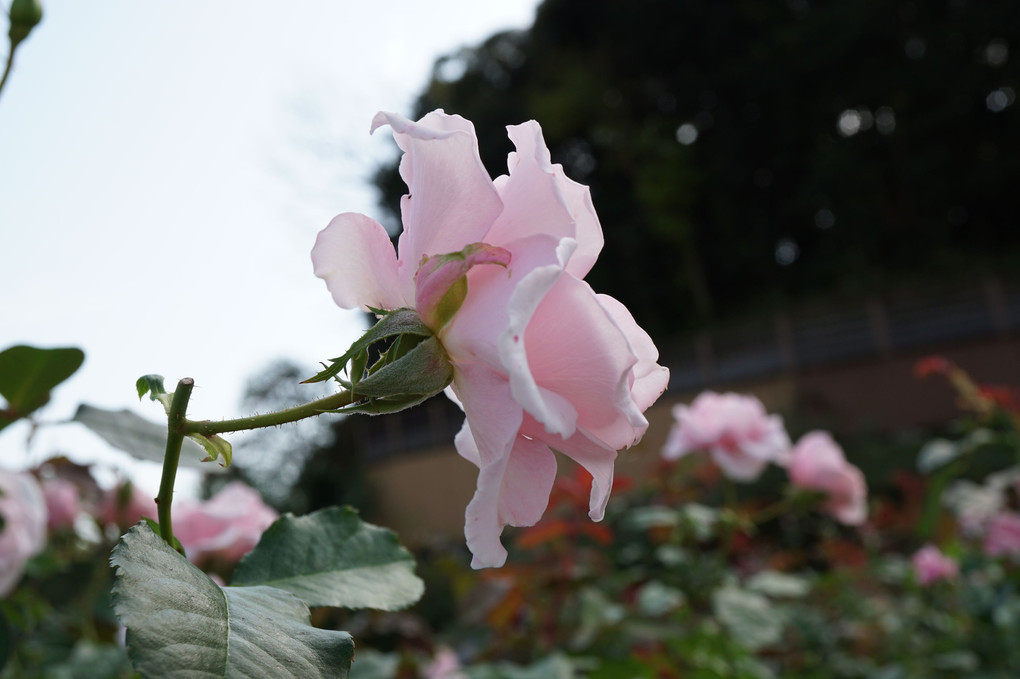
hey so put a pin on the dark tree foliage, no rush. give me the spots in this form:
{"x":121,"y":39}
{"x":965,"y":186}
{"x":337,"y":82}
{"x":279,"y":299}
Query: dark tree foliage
{"x":744,"y":153}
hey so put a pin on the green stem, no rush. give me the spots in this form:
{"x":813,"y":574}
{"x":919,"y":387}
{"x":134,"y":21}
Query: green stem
{"x":7,"y":68}
{"x":210,"y":428}
{"x":174,"y":440}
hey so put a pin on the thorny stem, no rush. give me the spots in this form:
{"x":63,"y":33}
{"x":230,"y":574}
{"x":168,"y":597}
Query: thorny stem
{"x":178,"y":426}
{"x":174,"y":440}
{"x":210,"y":428}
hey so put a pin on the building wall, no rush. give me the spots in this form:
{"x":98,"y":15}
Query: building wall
{"x":423,"y":494}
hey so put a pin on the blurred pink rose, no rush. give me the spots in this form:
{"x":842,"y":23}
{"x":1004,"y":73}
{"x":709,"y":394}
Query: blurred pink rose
{"x":540,"y":361}
{"x":1002,"y":535}
{"x":23,"y":535}
{"x":226,"y":526}
{"x":931,"y":565}
{"x":817,"y":463}
{"x":62,"y":502}
{"x":445,"y":665}
{"x":741,"y":437}
{"x":125,"y":505}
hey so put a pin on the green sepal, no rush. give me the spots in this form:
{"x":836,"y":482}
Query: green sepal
{"x":383,"y":406}
{"x":392,"y":324}
{"x":424,"y":369}
{"x":451,"y":302}
{"x":356,"y":370}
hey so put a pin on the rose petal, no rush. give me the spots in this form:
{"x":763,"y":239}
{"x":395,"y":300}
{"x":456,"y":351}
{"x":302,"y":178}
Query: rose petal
{"x":570,"y":347}
{"x":557,"y":414}
{"x":514,"y":491}
{"x":353,"y":254}
{"x":452,"y":201}
{"x":650,"y":378}
{"x":23,"y":508}
{"x":490,"y":408}
{"x":589,"y":452}
{"x":538,"y":198}
{"x":465,"y":444}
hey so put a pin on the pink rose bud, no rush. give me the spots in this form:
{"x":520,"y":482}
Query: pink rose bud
{"x":62,"y":502}
{"x":931,"y":565}
{"x":441,"y":281}
{"x":1002,"y":535}
{"x":741,"y":437}
{"x":23,"y":509}
{"x":817,"y":463}
{"x":226,"y":526}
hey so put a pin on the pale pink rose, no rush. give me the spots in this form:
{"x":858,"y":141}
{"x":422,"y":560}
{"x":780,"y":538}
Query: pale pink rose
{"x":23,"y":535}
{"x":817,"y":463}
{"x":126,"y":505}
{"x":740,"y":435}
{"x":226,"y":526}
{"x":931,"y":565}
{"x":445,"y":665}
{"x":62,"y":502}
{"x":1002,"y":535}
{"x":540,"y":360}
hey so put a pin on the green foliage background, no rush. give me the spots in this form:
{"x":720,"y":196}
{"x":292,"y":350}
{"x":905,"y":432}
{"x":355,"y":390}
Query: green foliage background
{"x":692,"y":231}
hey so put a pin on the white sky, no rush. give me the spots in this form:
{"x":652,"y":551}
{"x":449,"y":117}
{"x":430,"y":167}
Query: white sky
{"x":164,"y":169}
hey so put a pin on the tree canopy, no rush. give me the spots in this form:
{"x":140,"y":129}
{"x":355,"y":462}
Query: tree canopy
{"x":743,"y":153}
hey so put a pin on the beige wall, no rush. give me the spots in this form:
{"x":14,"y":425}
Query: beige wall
{"x":423,"y":495}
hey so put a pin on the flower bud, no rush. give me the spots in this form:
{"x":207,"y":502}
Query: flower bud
{"x":412,"y":367}
{"x":24,"y":16}
{"x":441,"y":281}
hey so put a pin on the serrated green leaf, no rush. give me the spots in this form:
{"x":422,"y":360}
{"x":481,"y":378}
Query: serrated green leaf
{"x":154,"y":527}
{"x":333,"y":558}
{"x":180,"y":624}
{"x":136,"y":435}
{"x":28,"y":374}
{"x":397,"y":322}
